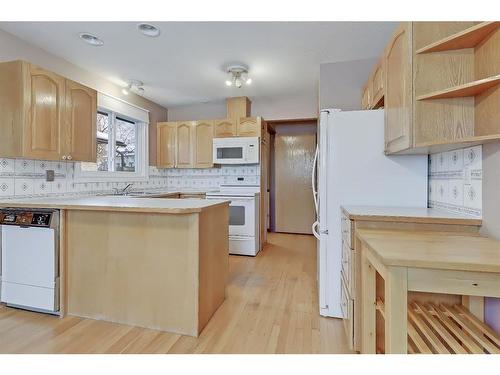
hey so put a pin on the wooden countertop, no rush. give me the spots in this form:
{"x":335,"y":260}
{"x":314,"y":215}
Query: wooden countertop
{"x":437,"y":250}
{"x":117,"y":203}
{"x":408,"y":215}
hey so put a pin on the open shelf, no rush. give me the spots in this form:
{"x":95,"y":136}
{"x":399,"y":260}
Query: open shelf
{"x":467,"y":38}
{"x":446,"y":329}
{"x":468,"y":89}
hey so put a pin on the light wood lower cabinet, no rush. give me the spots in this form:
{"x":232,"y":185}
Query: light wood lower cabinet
{"x":398,"y":90}
{"x":45,"y":116}
{"x":351,"y":273}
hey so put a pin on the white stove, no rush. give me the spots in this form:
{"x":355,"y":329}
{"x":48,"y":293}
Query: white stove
{"x":244,"y":222}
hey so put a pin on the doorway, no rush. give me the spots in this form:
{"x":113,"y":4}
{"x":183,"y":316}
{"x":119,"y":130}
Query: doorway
{"x":293,"y":144}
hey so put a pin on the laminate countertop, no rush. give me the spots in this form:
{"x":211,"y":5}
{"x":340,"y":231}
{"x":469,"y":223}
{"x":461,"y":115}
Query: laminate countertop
{"x":117,"y":203}
{"x":409,"y":215}
{"x":436,"y":250}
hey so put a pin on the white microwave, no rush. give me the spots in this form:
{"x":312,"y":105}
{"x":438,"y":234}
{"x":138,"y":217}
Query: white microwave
{"x":236,"y":150}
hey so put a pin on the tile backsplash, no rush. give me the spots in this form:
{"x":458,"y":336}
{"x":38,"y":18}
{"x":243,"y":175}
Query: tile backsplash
{"x":455,"y":181}
{"x":22,"y":178}
{"x":212,"y":178}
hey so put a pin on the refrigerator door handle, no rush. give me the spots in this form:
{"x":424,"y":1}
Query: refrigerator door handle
{"x":313,"y":179}
{"x":314,"y":229}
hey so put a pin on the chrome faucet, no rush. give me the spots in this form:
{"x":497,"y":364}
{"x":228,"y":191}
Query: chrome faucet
{"x":123,"y":191}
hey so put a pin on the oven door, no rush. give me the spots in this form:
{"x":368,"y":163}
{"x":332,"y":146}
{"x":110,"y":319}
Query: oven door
{"x":242,"y":216}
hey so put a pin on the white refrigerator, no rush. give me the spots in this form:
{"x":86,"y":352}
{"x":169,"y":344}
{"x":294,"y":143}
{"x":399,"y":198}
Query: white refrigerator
{"x":352,"y":169}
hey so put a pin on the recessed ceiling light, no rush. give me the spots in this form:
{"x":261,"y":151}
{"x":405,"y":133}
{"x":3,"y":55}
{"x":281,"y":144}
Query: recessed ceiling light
{"x":91,"y":39}
{"x":148,"y":29}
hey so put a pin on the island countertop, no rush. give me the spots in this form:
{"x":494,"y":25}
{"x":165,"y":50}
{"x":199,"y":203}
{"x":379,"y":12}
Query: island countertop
{"x":434,"y":250}
{"x":117,"y":203}
{"x":408,"y":214}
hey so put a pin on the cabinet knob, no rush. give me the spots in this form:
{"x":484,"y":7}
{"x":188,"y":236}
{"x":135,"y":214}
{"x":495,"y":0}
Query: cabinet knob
{"x":69,"y":157}
{"x":64,"y":157}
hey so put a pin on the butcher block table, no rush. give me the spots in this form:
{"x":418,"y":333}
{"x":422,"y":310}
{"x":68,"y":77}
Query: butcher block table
{"x":432,"y":262}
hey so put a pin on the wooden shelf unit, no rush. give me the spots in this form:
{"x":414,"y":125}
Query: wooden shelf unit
{"x":456,"y":88}
{"x":468,"y":89}
{"x":468,"y":38}
{"x":446,"y":329}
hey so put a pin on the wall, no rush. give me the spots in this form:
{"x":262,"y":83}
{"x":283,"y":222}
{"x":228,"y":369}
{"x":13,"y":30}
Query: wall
{"x":455,"y":181}
{"x":290,"y":107}
{"x":13,"y":48}
{"x":341,"y":83}
{"x":491,"y":215}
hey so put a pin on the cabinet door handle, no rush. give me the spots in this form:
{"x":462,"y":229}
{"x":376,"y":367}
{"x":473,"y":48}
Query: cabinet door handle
{"x":69,"y":157}
{"x":64,"y":157}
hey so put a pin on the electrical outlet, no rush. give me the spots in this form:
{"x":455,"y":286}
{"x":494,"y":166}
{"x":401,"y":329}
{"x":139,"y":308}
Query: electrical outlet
{"x":49,"y":175}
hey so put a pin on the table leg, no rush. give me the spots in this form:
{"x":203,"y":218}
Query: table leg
{"x":368,"y":299}
{"x":396,"y":302}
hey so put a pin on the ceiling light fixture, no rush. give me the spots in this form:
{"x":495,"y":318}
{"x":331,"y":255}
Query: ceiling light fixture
{"x":134,"y":86}
{"x":91,"y":39}
{"x":148,"y":29}
{"x":238,"y":75}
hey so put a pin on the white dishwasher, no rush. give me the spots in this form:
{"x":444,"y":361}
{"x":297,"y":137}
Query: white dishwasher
{"x":30,"y":259}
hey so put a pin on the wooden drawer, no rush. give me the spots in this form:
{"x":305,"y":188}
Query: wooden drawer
{"x":348,"y":268}
{"x":348,"y":311}
{"x":347,"y":232}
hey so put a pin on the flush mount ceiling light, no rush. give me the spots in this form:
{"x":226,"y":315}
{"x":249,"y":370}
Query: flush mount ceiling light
{"x":91,"y":39}
{"x":148,"y":29}
{"x":134,"y":86}
{"x":238,"y":75}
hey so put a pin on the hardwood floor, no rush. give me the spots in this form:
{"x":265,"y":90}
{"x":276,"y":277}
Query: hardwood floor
{"x":271,"y":307}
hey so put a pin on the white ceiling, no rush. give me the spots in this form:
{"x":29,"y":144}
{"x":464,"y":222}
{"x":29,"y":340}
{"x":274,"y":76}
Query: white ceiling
{"x":185,"y":65}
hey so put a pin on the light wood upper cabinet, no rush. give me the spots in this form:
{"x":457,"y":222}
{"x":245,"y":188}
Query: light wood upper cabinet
{"x":203,"y":134}
{"x":398,"y":98}
{"x":377,"y":85}
{"x":45,"y":116}
{"x":365,"y":98}
{"x":44,"y":101}
{"x":249,"y":127}
{"x":166,"y":140}
{"x":184,"y":145}
{"x":80,"y":124}
{"x":225,"y":128}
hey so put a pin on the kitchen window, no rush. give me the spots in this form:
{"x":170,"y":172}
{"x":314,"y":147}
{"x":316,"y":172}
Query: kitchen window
{"x":121,"y":149}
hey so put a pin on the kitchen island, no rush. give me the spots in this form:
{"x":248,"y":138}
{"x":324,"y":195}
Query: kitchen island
{"x":433,"y":263}
{"x":157,"y":263}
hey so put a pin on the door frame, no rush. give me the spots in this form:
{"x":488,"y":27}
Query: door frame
{"x":271,"y":124}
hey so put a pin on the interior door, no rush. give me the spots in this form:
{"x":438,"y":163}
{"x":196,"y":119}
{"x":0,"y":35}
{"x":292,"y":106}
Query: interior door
{"x":45,"y":108}
{"x":294,"y":148}
{"x":80,"y":126}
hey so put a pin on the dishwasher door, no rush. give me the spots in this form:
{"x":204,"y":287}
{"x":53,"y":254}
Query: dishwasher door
{"x":29,"y":267}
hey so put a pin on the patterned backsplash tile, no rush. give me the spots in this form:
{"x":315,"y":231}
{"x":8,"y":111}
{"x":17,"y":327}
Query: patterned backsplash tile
{"x":455,"y":181}
{"x":21,"y":178}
